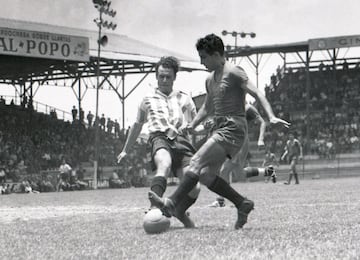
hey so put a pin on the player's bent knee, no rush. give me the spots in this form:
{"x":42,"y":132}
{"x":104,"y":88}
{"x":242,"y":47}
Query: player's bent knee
{"x":194,"y":165}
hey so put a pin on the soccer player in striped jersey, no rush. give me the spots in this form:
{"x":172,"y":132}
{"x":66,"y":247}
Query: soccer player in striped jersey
{"x":165,"y":111}
{"x":226,"y":87}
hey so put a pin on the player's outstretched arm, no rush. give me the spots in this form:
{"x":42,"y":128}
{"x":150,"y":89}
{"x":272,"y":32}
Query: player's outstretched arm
{"x":284,"y":154}
{"x":256,"y":93}
{"x":262,"y":131}
{"x":130,"y":141}
{"x":301,"y":152}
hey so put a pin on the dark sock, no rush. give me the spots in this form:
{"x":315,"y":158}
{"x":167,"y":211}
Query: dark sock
{"x":183,"y":205}
{"x":251,"y":172}
{"x":158,"y":185}
{"x":222,"y":188}
{"x":188,"y":182}
{"x":290,"y":177}
{"x":296,"y":178}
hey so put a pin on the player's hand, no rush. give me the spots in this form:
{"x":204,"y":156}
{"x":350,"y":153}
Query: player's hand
{"x":187,"y":130}
{"x":261,"y":143}
{"x":208,"y":124}
{"x":121,"y":156}
{"x":276,"y":120}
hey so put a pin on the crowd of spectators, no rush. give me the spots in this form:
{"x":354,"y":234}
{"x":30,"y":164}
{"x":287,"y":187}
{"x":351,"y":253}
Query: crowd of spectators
{"x":327,"y":122}
{"x":33,"y":143}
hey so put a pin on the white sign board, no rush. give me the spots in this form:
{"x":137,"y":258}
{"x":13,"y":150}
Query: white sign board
{"x":43,"y":45}
{"x":334,"y":42}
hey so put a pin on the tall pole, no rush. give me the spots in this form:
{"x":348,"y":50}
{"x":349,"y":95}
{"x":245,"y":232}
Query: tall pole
{"x":235,"y":35}
{"x":102,"y":6}
{"x":97,"y":125}
{"x":123,"y":101}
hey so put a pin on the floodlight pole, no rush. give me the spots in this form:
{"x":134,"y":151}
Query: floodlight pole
{"x":97,"y":125}
{"x":235,"y":35}
{"x":102,"y":6}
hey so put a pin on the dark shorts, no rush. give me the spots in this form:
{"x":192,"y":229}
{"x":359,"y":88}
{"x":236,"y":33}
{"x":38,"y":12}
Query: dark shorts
{"x":179,"y":148}
{"x":230,"y":132}
{"x":64,"y":176}
{"x":293,"y":158}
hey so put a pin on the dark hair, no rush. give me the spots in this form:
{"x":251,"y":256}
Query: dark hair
{"x":294,"y":133}
{"x":211,"y":43}
{"x":169,"y":62}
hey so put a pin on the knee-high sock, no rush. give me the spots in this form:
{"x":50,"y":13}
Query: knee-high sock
{"x":254,"y":171}
{"x":296,"y":178}
{"x":158,"y":185}
{"x":251,"y":172}
{"x":222,"y":188}
{"x":187,"y":183}
{"x":183,"y":205}
{"x":290,"y":177}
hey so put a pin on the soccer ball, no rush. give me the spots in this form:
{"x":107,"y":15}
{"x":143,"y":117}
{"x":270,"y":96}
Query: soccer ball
{"x":155,"y":222}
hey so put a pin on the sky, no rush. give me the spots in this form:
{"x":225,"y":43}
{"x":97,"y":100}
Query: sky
{"x":176,"y":25}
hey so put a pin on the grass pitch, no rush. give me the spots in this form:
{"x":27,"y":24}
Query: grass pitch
{"x":318,"y":219}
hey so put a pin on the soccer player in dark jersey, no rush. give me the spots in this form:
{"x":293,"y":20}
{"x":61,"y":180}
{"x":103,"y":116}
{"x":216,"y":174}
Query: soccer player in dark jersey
{"x":165,"y":110}
{"x":238,"y":162}
{"x":293,"y":152}
{"x":226,"y":87}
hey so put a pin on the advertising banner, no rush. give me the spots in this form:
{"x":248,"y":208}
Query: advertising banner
{"x":334,"y":42}
{"x":43,"y":45}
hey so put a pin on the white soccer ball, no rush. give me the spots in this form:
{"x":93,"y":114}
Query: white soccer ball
{"x":155,"y":222}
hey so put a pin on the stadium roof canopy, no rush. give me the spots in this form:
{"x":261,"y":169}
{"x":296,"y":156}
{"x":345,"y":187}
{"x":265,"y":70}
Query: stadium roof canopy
{"x":122,"y":55}
{"x":28,"y":58}
{"x":303,"y":52}
{"x":283,"y":48}
{"x":327,"y":43}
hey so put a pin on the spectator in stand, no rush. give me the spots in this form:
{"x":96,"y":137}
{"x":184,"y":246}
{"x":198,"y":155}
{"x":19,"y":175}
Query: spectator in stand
{"x":293,"y":152}
{"x":97,"y":121}
{"x":102,"y":122}
{"x":74,"y":113}
{"x":2,"y":101}
{"x":90,"y":118}
{"x":53,"y":113}
{"x":5,"y":188}
{"x":109,"y":125}
{"x":75,"y":183}
{"x":81,"y":116}
{"x":64,"y":176}
{"x":116,"y":182}
{"x":117,"y":128}
{"x":2,"y":175}
{"x":45,"y":185}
